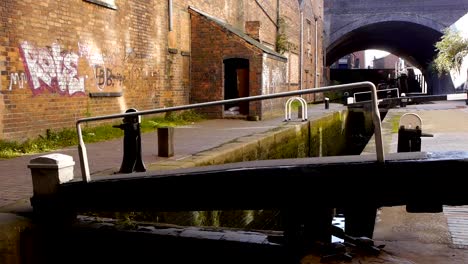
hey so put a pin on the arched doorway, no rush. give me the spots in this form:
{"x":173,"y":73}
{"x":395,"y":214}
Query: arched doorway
{"x":236,"y":85}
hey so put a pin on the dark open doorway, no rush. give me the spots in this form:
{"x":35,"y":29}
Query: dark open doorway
{"x":236,"y":85}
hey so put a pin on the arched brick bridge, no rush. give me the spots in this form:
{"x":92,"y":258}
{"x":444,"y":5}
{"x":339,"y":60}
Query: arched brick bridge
{"x":407,"y":28}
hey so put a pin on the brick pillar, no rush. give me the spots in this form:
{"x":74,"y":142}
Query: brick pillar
{"x":252,"y":28}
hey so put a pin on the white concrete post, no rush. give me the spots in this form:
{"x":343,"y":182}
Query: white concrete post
{"x":49,"y":171}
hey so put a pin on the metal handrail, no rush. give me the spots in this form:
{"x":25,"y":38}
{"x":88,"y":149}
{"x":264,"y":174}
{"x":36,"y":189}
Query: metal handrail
{"x":375,"y":116}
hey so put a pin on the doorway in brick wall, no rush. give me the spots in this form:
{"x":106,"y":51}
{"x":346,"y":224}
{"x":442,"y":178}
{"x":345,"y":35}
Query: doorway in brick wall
{"x":236,"y":85}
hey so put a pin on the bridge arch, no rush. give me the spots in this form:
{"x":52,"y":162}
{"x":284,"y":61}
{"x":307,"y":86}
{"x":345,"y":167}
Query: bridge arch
{"x":410,"y":38}
{"x":375,"y":19}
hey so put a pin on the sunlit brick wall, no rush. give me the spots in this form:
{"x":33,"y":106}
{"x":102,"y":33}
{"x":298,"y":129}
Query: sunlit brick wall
{"x":64,"y":60}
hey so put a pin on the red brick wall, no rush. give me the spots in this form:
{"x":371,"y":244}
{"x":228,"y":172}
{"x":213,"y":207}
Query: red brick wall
{"x":313,"y":73}
{"x":361,"y":55}
{"x":55,"y":54}
{"x":252,"y":28}
{"x":211,"y":45}
{"x":4,"y":47}
{"x":290,"y":13}
{"x":264,"y":11}
{"x":230,"y":11}
{"x":387,"y":62}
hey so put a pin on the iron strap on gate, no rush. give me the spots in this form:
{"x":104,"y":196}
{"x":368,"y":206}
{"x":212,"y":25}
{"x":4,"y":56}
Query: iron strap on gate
{"x":375,"y":116}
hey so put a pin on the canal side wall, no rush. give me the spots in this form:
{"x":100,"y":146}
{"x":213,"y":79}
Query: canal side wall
{"x":325,"y":136}
{"x":12,"y":239}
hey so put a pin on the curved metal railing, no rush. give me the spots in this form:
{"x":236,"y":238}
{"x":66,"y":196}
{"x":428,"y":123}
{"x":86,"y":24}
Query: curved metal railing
{"x":288,"y":108}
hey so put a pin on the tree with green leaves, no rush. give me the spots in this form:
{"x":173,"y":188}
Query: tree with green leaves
{"x":451,"y":48}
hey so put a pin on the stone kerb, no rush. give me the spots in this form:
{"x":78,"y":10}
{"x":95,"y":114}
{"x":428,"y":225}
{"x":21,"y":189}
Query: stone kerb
{"x":241,"y":149}
{"x":387,"y":134}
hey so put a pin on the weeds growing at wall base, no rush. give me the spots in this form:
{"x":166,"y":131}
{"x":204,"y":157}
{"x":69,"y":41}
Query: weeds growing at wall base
{"x":53,"y":140}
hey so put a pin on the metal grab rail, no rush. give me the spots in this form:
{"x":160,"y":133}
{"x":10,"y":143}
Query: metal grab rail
{"x":287,"y":106}
{"x":375,"y":116}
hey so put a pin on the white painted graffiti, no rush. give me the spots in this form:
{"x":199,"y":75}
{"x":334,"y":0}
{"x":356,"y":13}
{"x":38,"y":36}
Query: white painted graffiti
{"x":52,"y":69}
{"x":265,"y":77}
{"x":17,"y":79}
{"x":93,"y":58}
{"x":272,"y":78}
{"x":277,"y":79}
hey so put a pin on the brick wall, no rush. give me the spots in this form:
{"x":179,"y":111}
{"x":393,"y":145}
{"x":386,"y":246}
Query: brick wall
{"x":313,"y":75}
{"x":207,"y":62}
{"x":252,"y":28}
{"x":274,"y":81}
{"x":387,"y":62}
{"x":290,"y":13}
{"x":4,"y":46}
{"x":64,"y":60}
{"x":264,"y":11}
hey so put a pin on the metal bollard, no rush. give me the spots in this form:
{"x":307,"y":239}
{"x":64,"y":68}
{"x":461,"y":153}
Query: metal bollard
{"x":410,"y":133}
{"x":132,"y":158}
{"x":327,"y":103}
{"x":345,"y":98}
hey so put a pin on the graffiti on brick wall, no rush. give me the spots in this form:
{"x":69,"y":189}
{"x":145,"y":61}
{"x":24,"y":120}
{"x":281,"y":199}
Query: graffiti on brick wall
{"x":104,"y":77}
{"x":265,"y":79}
{"x":273,"y":77}
{"x":56,"y":70}
{"x":277,"y":79}
{"x":102,"y":69}
{"x":17,"y":79}
{"x":52,"y":69}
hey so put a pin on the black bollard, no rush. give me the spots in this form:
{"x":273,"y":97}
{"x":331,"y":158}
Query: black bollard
{"x":409,"y":140}
{"x":132,"y":158}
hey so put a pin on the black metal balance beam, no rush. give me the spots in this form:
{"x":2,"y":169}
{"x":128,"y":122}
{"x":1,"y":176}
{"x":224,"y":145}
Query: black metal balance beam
{"x":407,"y":100}
{"x":342,"y":181}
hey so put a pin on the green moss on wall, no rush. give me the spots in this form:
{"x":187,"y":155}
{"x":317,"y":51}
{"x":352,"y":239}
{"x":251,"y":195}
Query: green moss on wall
{"x":327,"y":136}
